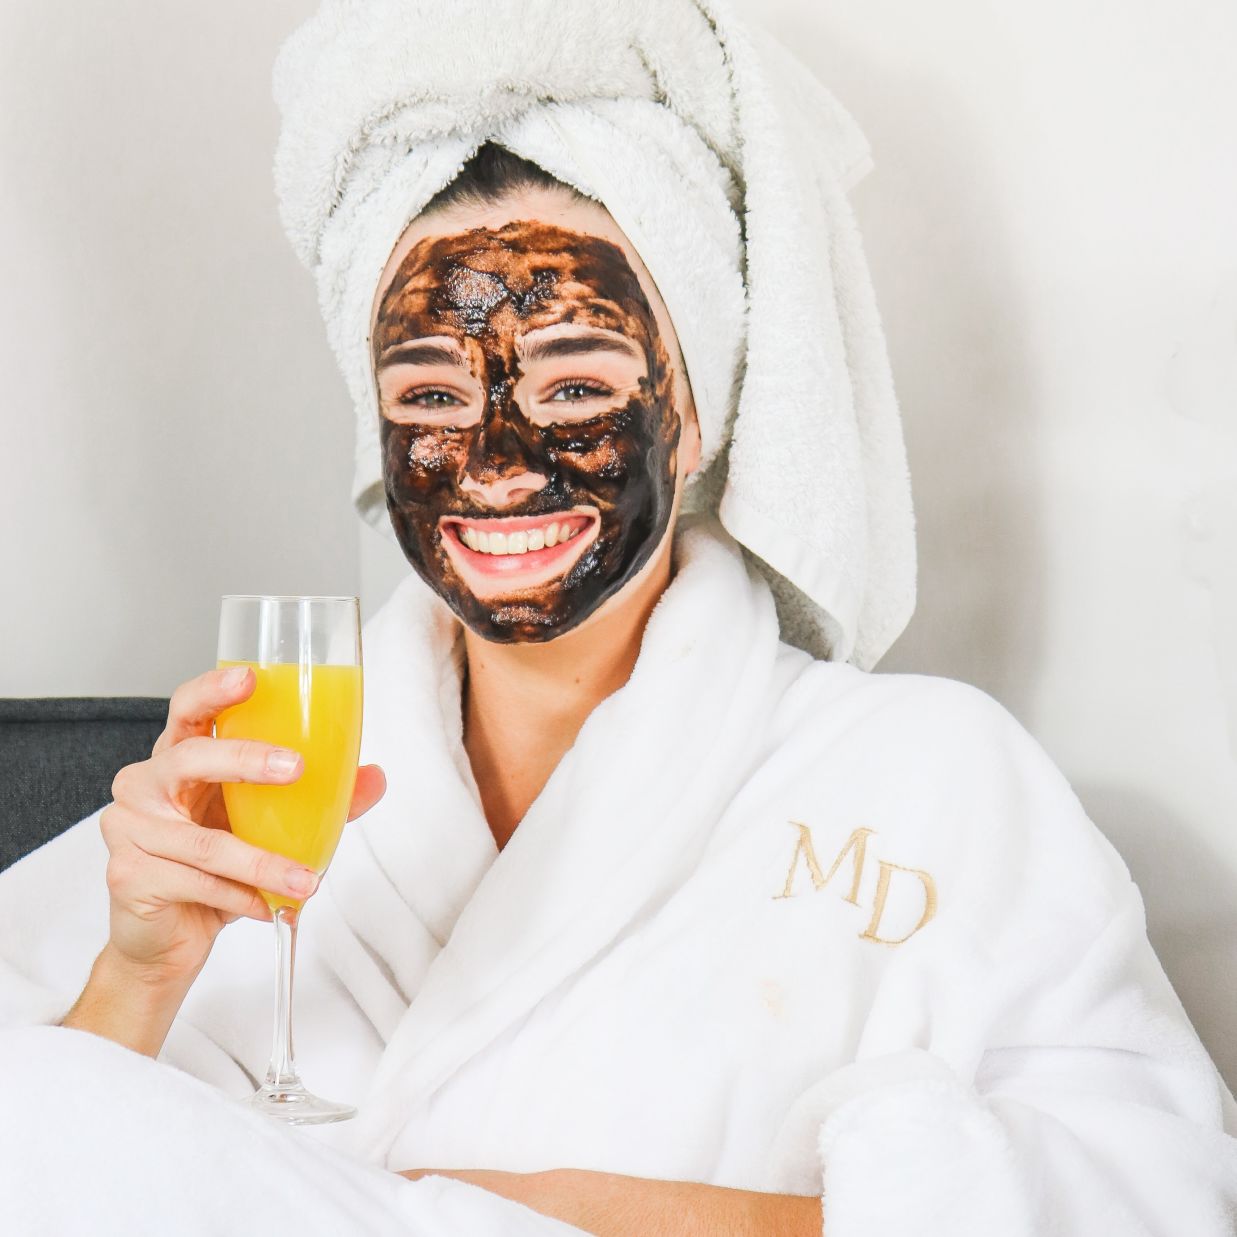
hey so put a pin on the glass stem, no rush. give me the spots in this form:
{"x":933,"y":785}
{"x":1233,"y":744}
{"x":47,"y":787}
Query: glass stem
{"x":281,"y":1073}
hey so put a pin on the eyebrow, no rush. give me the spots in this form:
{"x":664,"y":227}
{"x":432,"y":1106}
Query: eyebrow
{"x":574,"y":345}
{"x":421,"y":354}
{"x":415,"y":353}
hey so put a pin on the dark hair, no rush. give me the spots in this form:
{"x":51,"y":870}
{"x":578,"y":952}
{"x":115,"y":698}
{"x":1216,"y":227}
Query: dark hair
{"x":491,"y":174}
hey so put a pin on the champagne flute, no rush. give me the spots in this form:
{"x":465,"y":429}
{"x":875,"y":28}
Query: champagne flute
{"x":306,"y":653}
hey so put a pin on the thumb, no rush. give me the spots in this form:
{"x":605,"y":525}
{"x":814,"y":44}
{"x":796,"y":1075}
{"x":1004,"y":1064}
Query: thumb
{"x":371,"y":785}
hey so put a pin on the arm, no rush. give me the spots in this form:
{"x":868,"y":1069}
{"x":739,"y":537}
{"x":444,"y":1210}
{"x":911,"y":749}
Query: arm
{"x":1097,"y":1114}
{"x":127,"y":1004}
{"x":1028,"y":1068}
{"x":612,"y":1205}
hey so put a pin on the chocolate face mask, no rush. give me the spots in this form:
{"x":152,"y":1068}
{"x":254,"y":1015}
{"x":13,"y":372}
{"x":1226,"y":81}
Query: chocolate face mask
{"x":529,"y":435}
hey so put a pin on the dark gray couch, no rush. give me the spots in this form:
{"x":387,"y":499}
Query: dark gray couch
{"x":58,"y":758}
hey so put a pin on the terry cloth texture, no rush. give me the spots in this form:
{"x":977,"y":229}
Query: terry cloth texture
{"x":773,"y":924}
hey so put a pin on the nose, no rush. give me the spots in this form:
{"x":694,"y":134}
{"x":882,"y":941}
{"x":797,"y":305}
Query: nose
{"x":500,"y":470}
{"x":505,"y":491}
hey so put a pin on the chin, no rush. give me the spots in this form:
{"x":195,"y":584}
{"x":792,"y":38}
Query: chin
{"x":523,"y":620}
{"x":517,"y":620}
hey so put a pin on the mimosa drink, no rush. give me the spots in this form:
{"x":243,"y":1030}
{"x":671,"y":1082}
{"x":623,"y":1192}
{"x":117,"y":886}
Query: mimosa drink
{"x":314,"y":710}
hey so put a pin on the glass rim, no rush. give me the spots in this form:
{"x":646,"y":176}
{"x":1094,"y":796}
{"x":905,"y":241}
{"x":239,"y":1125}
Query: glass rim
{"x":287,"y":597}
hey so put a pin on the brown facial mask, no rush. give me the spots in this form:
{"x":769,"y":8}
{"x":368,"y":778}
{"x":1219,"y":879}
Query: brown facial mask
{"x":604,"y":458}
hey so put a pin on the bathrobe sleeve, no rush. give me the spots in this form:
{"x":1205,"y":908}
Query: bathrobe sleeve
{"x":53,"y":923}
{"x":1026,"y":1067}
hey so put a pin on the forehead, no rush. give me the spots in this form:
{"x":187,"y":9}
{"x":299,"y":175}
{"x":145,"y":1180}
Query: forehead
{"x":521,"y":269}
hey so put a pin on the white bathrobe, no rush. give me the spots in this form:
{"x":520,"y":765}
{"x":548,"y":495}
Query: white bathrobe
{"x":774,"y":923}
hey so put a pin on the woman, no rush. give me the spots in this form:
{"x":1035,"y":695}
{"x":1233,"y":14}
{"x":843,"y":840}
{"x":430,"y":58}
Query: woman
{"x":661,"y":924}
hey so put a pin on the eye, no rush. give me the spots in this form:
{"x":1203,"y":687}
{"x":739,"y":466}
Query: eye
{"x":429,"y":397}
{"x":576,"y":389}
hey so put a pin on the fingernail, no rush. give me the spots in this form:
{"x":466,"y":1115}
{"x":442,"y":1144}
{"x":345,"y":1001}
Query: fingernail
{"x":301,"y":882}
{"x":281,"y":762}
{"x":234,"y":678}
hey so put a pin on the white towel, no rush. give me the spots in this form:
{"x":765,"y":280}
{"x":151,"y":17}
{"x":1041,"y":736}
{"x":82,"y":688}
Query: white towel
{"x":726,"y":164}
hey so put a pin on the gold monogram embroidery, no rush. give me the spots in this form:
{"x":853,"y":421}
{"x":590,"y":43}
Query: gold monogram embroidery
{"x":882,"y":892}
{"x":858,"y":843}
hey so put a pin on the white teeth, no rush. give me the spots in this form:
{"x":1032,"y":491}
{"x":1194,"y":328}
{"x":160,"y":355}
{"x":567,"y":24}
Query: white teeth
{"x":517,"y":543}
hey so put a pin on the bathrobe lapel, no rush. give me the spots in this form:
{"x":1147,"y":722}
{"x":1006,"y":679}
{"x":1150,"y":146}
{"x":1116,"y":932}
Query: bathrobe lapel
{"x":406,"y":869}
{"x":615,"y":831}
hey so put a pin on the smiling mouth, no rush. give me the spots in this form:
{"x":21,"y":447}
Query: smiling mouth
{"x":541,"y":545}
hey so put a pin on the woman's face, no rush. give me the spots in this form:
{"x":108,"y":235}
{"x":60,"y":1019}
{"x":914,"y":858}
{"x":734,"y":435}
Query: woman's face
{"x":531,"y":433}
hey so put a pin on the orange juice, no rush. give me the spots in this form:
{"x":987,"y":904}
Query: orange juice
{"x":314,"y":710}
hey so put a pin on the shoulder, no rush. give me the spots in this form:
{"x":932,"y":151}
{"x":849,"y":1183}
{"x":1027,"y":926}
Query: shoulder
{"x":951,"y":777}
{"x":910,"y":717}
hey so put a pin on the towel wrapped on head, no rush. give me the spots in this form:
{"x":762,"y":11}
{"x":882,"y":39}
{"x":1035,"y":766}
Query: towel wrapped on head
{"x":725,"y":163}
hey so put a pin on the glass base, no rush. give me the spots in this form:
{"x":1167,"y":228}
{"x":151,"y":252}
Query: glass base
{"x":297,"y":1106}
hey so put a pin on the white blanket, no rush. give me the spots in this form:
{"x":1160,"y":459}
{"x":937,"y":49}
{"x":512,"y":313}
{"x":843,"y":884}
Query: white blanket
{"x":95,"y":1139}
{"x":686,"y":962}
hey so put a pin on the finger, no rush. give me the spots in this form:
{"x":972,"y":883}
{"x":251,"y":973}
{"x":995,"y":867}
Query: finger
{"x":371,"y":785}
{"x":224,"y":855}
{"x":139,"y":880}
{"x":197,"y":702}
{"x":202,"y":759}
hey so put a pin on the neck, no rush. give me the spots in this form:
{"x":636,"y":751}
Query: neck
{"x":524,"y":704}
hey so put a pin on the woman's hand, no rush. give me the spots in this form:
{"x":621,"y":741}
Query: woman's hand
{"x":175,"y":873}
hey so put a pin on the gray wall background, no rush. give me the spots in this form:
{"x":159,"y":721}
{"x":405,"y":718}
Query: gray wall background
{"x":1049,"y":227}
